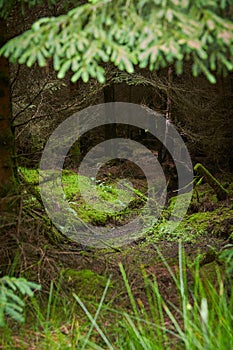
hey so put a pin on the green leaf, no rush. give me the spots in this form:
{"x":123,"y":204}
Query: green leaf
{"x":80,"y":45}
{"x":100,"y":76}
{"x":16,"y":315}
{"x":127,"y":64}
{"x":17,"y":52}
{"x":228,"y":64}
{"x":76,"y":76}
{"x":2,"y":322}
{"x":45,"y":52}
{"x":157,"y":32}
{"x":7,"y":49}
{"x":114,"y":56}
{"x":179,"y":67}
{"x":205,"y":70}
{"x":56,"y":62}
{"x":10,"y":303}
{"x":210,"y":77}
{"x":212,"y":61}
{"x":91,"y":70}
{"x":202,"y":54}
{"x":32,"y":59}
{"x":64,"y":68}
{"x":23,"y":58}
{"x":85,"y":76}
{"x":75,"y":64}
{"x":169,"y":15}
{"x":36,"y":26}
{"x":58,"y":47}
{"x":41,"y":59}
{"x":71,"y":50}
{"x":13,"y":297}
{"x":9,"y":282}
{"x":195,"y":69}
{"x":103,"y":56}
{"x":223,"y":4}
{"x":144,"y":63}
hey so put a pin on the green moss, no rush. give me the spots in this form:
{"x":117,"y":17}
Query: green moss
{"x":98,"y":215}
{"x":70,"y":183}
{"x":217,"y":223}
{"x":213,"y":218}
{"x":87,"y":284}
{"x":183,"y":198}
{"x":30,"y":175}
{"x":87,"y":214}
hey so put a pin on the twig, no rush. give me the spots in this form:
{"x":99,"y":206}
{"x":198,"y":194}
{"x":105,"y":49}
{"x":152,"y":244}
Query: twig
{"x":30,"y":103}
{"x":15,"y":78}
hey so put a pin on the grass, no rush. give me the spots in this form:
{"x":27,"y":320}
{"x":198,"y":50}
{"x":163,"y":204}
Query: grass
{"x":202,"y":318}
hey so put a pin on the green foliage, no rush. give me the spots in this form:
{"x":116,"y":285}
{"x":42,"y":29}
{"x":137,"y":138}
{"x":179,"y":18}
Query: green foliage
{"x":109,"y":196}
{"x":203,"y":319}
{"x":30,"y":175}
{"x":197,"y":317}
{"x":217,"y":223}
{"x":227,"y":257}
{"x":102,"y":213}
{"x":93,"y":320}
{"x":10,"y":303}
{"x":88,"y":285}
{"x":153,"y":33}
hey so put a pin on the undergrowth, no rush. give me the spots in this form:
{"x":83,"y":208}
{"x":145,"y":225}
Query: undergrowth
{"x":202,"y":319}
{"x":91,"y":316}
{"x":110,"y":208}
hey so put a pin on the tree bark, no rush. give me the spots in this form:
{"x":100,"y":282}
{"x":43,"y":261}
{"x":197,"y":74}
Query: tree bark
{"x":110,"y":131}
{"x":8,"y":184}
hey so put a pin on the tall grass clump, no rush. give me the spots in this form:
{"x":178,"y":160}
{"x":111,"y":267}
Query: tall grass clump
{"x":203,"y":320}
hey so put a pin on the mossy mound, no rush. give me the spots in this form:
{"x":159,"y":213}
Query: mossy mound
{"x":87,"y":284}
{"x":106,"y":198}
{"x":206,"y":215}
{"x":218,"y":223}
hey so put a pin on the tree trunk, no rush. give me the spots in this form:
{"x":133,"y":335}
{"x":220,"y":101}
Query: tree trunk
{"x":110,"y":131}
{"x":8,"y":184}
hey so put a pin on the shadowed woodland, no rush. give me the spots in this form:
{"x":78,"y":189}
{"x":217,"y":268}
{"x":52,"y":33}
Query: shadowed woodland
{"x":168,"y":288}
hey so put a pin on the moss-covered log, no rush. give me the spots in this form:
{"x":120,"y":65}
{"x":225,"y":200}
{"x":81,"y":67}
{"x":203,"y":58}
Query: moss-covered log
{"x":212,"y":181}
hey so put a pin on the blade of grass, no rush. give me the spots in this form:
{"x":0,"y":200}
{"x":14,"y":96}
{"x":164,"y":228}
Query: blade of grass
{"x":97,"y":313}
{"x":136,"y":331}
{"x":101,"y":333}
{"x":129,"y":291}
{"x":49,"y":302}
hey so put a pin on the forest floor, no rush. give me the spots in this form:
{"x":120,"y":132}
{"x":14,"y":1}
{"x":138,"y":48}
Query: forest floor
{"x":34,"y":249}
